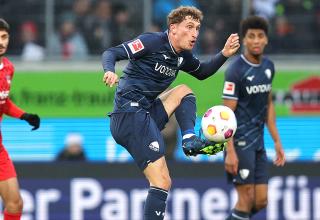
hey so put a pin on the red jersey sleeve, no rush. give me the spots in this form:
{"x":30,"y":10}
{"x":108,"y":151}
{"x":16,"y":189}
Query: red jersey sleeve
{"x":12,"y":110}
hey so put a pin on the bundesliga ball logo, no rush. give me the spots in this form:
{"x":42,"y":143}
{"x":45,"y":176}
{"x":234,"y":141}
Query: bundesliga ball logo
{"x":219,"y":124}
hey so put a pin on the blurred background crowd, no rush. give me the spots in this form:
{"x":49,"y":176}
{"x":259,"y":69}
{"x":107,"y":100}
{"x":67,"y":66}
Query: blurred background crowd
{"x":80,"y":29}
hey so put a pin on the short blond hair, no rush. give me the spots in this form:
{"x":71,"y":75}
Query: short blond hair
{"x":177,"y":15}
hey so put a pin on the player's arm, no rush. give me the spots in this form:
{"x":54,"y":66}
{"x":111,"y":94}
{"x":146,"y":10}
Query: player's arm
{"x":231,"y":161}
{"x":130,"y":50}
{"x":230,"y":96}
{"x":271,"y":124}
{"x":109,"y":59}
{"x":203,"y":70}
{"x":14,"y":111}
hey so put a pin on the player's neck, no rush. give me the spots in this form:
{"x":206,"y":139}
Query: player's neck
{"x":256,"y":59}
{"x":174,"y":42}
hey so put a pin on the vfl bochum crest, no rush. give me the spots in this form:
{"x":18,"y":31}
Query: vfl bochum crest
{"x":180,"y":60}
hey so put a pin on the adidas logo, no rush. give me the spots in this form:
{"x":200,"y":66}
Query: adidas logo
{"x":154,"y":146}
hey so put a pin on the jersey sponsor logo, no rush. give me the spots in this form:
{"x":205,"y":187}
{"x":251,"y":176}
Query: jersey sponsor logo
{"x":258,"y":89}
{"x":229,"y":88}
{"x":244,"y":173}
{"x":136,"y":46}
{"x":250,"y":78}
{"x":164,"y":70}
{"x":154,"y":146}
{"x":268,"y":73}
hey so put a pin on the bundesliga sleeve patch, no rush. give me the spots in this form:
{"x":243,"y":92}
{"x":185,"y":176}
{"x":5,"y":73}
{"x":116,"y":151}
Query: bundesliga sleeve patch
{"x":229,"y":88}
{"x":136,"y":46}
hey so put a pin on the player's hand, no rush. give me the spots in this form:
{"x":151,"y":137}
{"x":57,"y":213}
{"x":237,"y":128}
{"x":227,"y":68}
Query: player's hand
{"x":280,"y":156}
{"x":231,"y":46}
{"x":110,"y":78}
{"x":231,"y":163}
{"x":32,"y":119}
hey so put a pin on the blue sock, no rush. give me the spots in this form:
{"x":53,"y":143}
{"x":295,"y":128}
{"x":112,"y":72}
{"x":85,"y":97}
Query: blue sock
{"x":238,"y":215}
{"x":186,"y":115}
{"x":155,"y":205}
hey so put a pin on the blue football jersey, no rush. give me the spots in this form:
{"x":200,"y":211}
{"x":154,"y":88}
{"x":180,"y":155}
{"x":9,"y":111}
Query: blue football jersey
{"x":153,"y":66}
{"x":250,"y":84}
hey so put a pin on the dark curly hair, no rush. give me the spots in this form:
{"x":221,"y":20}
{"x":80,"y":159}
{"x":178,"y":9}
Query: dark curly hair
{"x":253,"y":22}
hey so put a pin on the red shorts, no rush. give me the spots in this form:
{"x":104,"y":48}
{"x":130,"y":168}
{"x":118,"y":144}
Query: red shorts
{"x":7,"y":169}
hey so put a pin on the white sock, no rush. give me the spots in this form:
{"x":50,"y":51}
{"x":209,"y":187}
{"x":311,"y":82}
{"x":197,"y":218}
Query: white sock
{"x":187,"y":136}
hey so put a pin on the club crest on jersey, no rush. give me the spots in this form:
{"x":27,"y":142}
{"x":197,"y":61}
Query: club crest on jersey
{"x":268,"y":73}
{"x":180,"y":60}
{"x":244,"y":173}
{"x":136,"y":46}
{"x":229,"y":88}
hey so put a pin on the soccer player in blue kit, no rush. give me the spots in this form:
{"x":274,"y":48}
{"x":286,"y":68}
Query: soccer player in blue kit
{"x":139,"y":112}
{"x":247,"y":91}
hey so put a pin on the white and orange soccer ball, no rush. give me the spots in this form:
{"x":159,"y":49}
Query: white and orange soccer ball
{"x":219,"y":124}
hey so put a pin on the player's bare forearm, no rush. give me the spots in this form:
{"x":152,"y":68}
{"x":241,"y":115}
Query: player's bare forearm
{"x":232,"y":104}
{"x":271,"y":121}
{"x":231,"y":160}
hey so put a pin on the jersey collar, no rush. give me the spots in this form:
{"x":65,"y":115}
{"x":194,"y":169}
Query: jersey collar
{"x":167,"y":32}
{"x":1,"y":66}
{"x":248,"y":62}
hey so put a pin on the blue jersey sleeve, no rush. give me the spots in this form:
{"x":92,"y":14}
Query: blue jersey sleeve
{"x":273,"y":71}
{"x":133,"y":49}
{"x":231,"y":83}
{"x":202,"y":70}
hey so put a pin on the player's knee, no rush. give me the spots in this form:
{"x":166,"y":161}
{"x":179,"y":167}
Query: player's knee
{"x":14,"y":205}
{"x":183,"y":90}
{"x":164,"y":182}
{"x":261,"y":204}
{"x":247,"y":198}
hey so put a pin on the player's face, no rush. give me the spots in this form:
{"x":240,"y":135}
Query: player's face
{"x":185,"y":34}
{"x":255,"y":41}
{"x":4,"y":41}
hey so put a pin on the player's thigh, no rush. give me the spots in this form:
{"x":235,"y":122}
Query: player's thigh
{"x":9,"y":187}
{"x":140,"y":135}
{"x":245,"y":192}
{"x":261,"y":167}
{"x":159,"y":114}
{"x":9,"y":190}
{"x":158,"y":174}
{"x":246,"y":167}
{"x":172,"y":98}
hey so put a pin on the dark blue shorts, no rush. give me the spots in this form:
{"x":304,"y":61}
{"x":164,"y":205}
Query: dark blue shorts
{"x":252,"y":168}
{"x":139,"y":132}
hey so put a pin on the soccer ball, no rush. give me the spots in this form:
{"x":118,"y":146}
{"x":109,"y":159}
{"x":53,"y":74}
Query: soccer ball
{"x":219,"y":124}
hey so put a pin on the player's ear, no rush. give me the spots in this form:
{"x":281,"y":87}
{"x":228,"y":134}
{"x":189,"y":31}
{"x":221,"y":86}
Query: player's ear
{"x":173,"y":28}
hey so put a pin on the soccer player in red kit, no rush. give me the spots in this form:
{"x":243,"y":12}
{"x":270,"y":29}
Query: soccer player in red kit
{"x":9,"y":187}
